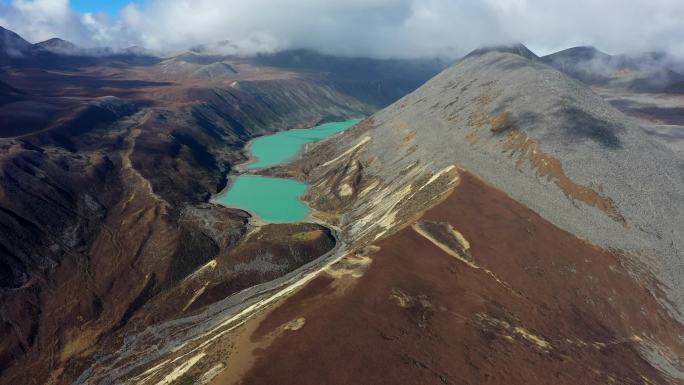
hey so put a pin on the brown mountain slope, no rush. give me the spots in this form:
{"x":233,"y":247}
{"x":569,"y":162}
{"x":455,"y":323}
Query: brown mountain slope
{"x":479,"y":290}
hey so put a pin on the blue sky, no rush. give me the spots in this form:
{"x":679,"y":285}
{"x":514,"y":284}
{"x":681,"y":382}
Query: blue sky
{"x":109,"y":6}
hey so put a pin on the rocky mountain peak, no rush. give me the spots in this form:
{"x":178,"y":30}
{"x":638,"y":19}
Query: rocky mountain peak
{"x":580,"y":53}
{"x":59,"y":46}
{"x":11,"y":44}
{"x":517,"y":49}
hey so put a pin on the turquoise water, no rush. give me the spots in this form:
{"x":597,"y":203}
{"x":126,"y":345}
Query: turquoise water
{"x":273,"y":199}
{"x":277,"y":200}
{"x":275,"y":149}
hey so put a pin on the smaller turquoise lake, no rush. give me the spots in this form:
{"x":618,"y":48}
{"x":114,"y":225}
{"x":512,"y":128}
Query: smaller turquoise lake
{"x":278,"y":148}
{"x":277,"y":200}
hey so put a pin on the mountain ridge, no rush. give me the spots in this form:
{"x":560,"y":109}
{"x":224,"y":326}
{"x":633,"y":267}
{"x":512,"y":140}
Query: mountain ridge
{"x":503,"y":117}
{"x":537,"y":135}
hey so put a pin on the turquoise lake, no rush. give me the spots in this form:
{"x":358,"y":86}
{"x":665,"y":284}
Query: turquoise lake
{"x":276,"y":200}
{"x":275,"y":149}
{"x":272,"y":199}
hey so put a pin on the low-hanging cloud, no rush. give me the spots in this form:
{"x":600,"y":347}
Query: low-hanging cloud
{"x":378,"y":28}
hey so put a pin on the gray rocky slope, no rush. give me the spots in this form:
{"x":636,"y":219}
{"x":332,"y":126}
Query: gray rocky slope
{"x":529,"y":130}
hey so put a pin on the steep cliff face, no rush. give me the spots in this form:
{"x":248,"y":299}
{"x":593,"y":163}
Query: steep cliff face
{"x":553,"y":147}
{"x":103,"y":201}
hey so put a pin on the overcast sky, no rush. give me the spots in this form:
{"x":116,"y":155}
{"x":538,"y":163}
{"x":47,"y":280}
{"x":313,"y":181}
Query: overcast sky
{"x":379,"y":28}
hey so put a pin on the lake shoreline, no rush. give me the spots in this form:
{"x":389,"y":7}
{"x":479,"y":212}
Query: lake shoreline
{"x":243,"y":194}
{"x":250,"y":158}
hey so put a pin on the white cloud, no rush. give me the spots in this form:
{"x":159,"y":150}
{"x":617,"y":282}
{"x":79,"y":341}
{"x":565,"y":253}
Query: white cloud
{"x":397,"y":28}
{"x":38,"y":19}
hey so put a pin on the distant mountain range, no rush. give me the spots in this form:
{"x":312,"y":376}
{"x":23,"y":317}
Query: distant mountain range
{"x":650,"y":72}
{"x":55,"y":53}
